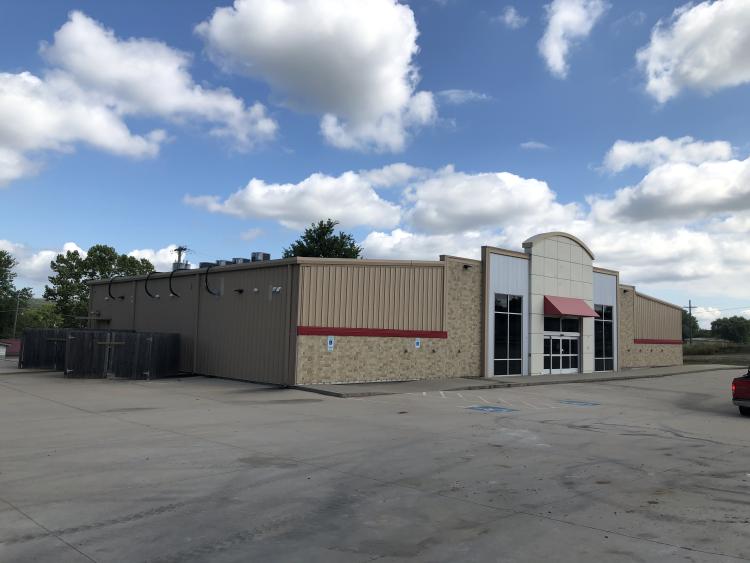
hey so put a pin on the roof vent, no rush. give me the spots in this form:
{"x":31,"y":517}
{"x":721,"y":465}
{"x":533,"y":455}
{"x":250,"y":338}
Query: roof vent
{"x":260,"y":256}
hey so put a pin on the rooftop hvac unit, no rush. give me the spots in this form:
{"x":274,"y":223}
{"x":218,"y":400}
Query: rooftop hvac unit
{"x":180,"y":266}
{"x":206,"y":264}
{"x":260,"y":256}
{"x":222,"y":262}
{"x":240,"y":260}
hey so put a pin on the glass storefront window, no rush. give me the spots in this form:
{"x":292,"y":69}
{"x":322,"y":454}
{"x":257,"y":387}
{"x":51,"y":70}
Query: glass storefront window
{"x":508,"y":353}
{"x":604,"y":338}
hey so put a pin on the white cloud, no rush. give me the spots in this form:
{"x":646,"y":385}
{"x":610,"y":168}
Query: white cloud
{"x":391,"y":175}
{"x":684,"y":226}
{"x":705,"y":315}
{"x":349,"y":198}
{"x":568,"y":22}
{"x":162,"y":258}
{"x":351,"y":62}
{"x":399,"y":244}
{"x":680,"y":191}
{"x":656,"y":253}
{"x":511,"y":19}
{"x":33,"y":266}
{"x":53,"y":114}
{"x":95,"y":81}
{"x":251,"y":234}
{"x":458,"y":97}
{"x":146,"y":77}
{"x":649,"y":154}
{"x":13,"y":165}
{"x":534,"y":146}
{"x":453,"y":201}
{"x":387,"y":133}
{"x":633,"y":19}
{"x":702,"y":47}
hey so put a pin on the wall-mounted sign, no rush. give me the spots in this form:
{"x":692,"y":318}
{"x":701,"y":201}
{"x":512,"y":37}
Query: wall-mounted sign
{"x":418,"y":343}
{"x":331,"y":343}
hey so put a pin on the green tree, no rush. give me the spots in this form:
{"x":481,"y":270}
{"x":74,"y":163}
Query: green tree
{"x":734,"y":329}
{"x":68,"y":289}
{"x":688,"y":322}
{"x":12,"y":299}
{"x":320,"y":240}
{"x":43,"y":315}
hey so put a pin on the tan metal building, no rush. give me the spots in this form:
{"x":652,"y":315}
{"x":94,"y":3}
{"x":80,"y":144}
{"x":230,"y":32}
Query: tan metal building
{"x":545,"y":310}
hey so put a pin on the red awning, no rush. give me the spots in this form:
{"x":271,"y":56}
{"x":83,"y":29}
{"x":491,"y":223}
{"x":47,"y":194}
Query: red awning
{"x":568,"y":306}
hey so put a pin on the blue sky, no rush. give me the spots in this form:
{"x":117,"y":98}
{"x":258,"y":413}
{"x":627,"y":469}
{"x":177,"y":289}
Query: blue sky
{"x":75,"y":187}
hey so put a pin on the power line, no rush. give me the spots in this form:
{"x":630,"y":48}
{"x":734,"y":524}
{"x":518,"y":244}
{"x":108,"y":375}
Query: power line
{"x":726,"y":308}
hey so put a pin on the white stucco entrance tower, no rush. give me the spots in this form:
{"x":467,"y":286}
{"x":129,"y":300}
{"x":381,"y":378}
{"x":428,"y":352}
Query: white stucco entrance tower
{"x":561,"y":301}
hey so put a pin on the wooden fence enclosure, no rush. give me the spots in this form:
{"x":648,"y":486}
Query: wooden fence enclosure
{"x":101,"y":353}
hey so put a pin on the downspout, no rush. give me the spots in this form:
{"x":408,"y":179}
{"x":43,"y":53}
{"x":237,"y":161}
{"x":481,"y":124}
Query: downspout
{"x":133,"y":299}
{"x":529,"y":313}
{"x":485,"y":311}
{"x":287,"y":347}
{"x":197,"y":318}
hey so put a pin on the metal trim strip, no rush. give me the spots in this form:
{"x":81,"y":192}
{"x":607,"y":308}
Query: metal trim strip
{"x":379,"y":332}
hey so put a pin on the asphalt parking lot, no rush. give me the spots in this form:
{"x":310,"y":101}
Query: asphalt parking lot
{"x":210,"y":470}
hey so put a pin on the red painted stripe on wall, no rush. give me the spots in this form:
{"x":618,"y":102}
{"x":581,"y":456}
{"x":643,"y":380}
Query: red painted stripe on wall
{"x":381,"y":332}
{"x":655,"y":341}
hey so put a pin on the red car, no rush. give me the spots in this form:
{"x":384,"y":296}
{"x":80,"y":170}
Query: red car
{"x":741,"y":393}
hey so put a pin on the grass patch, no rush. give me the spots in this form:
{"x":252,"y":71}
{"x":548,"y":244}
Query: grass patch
{"x":714,"y":347}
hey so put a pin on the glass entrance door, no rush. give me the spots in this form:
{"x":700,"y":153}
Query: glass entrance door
{"x":561,"y":354}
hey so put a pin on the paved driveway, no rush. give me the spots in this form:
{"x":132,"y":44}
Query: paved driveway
{"x":210,"y":470}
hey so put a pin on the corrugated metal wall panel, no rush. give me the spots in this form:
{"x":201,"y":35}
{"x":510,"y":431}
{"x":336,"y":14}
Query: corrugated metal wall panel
{"x":169,"y":314}
{"x":656,"y":320}
{"x":362,"y":295}
{"x":117,"y":313}
{"x":248,"y":335}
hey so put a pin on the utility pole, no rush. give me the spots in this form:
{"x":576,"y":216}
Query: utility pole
{"x":690,"y":308}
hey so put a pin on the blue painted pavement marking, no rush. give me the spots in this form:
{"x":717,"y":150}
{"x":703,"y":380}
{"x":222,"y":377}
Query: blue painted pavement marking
{"x":579,"y":403}
{"x":483,"y":408}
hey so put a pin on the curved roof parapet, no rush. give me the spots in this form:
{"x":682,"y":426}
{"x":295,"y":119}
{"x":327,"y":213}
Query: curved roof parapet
{"x":540,"y":237}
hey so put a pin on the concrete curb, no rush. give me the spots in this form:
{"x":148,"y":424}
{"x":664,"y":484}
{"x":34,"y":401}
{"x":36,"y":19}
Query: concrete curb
{"x":29,"y":371}
{"x":353,"y":394}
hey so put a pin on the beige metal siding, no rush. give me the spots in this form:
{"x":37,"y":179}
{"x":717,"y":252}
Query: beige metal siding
{"x":367,"y":295}
{"x":656,"y":320}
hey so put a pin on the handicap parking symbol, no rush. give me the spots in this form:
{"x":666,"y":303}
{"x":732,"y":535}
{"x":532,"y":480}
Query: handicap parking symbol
{"x":489,"y":408}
